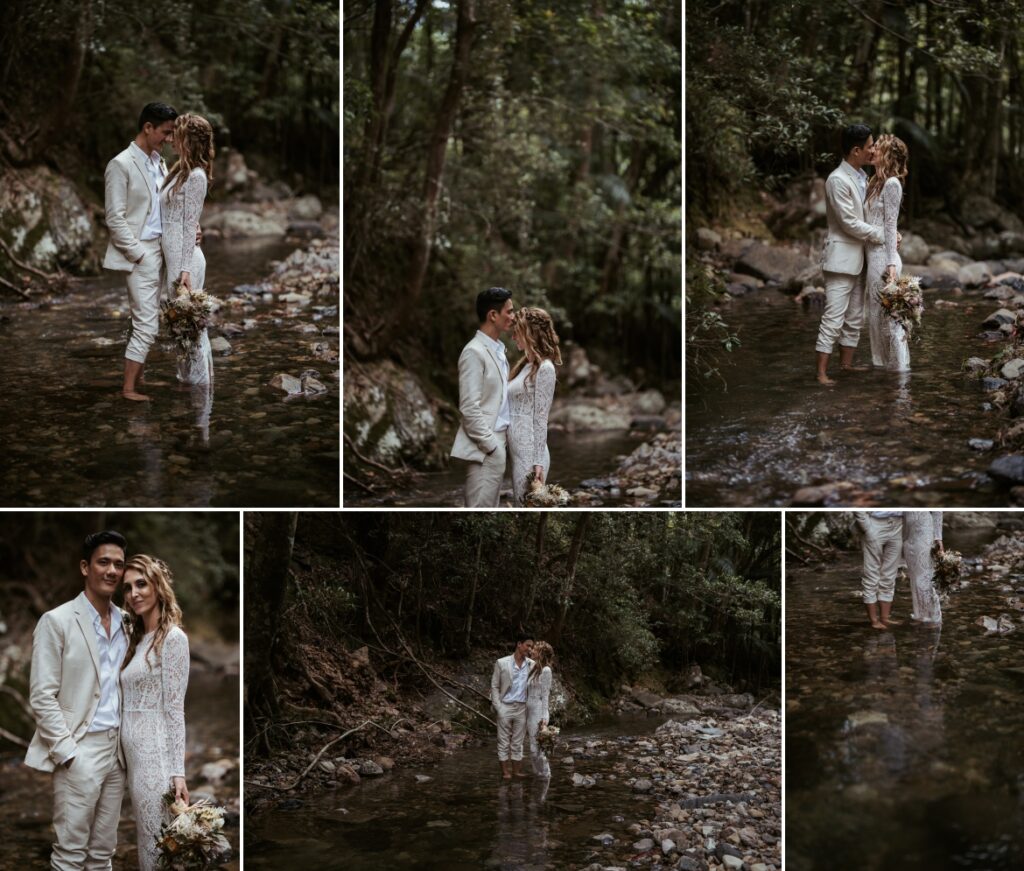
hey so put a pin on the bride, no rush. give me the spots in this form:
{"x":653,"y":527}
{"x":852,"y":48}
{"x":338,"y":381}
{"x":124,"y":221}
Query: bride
{"x":531,"y":390}
{"x":153,"y":682}
{"x":184,"y":190}
{"x":889,"y":346}
{"x":537,"y":704}
{"x":921,"y":531}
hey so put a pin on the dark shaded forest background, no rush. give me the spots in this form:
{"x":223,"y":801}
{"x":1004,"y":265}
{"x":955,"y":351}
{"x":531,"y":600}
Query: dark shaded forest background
{"x":74,"y":75}
{"x":617,"y":595}
{"x":770,"y":84}
{"x":533,"y":145}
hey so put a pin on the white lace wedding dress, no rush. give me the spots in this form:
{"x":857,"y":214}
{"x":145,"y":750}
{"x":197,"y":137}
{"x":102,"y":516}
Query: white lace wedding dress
{"x":921,"y":529}
{"x":890,"y":345}
{"x":180,"y":218}
{"x":153,"y":732}
{"x":536,"y":711}
{"x":529,"y":403}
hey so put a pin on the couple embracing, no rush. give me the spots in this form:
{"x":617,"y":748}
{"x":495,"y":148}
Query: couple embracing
{"x":505,"y":411}
{"x":108,"y":693}
{"x":520,"y":695}
{"x":861,"y":257}
{"x":152,"y":214}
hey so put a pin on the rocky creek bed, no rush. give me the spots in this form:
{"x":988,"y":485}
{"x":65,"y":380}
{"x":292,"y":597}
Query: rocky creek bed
{"x":903,"y":746}
{"x":948,"y":433}
{"x":686,"y":782}
{"x":267,"y":434}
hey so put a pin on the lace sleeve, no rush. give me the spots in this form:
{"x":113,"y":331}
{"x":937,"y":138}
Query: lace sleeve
{"x":543,"y":394}
{"x":545,"y":688}
{"x":174,"y":675}
{"x":194,"y":191}
{"x":892,"y":195}
{"x":936,"y":525}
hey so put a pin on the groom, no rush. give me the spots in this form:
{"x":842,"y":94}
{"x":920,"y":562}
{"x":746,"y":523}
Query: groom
{"x":132,"y":201}
{"x":483,"y":400}
{"x":75,"y":695}
{"x":843,"y":260}
{"x":509,"y":684}
{"x":883,"y":548}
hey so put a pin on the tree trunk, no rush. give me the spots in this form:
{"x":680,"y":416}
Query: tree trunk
{"x":270,"y":537}
{"x":467,"y":641}
{"x":436,"y":154}
{"x":570,"y":574}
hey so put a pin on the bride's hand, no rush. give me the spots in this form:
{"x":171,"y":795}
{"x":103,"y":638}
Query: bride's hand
{"x":186,"y":280}
{"x":890,"y":273}
{"x":938,"y":544}
{"x":180,"y":790}
{"x":538,"y":473}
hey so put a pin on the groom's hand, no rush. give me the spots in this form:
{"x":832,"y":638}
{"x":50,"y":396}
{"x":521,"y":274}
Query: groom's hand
{"x":67,"y":764}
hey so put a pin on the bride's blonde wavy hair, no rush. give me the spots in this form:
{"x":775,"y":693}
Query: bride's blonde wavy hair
{"x":158,"y":575}
{"x":543,"y":654}
{"x":891,"y":158}
{"x":536,"y":333}
{"x":194,"y":137}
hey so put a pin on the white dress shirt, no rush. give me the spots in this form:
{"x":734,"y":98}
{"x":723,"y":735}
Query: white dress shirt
{"x":862,"y":181}
{"x":112,"y":651}
{"x":520,"y":673}
{"x":504,"y":416}
{"x":153,"y":228}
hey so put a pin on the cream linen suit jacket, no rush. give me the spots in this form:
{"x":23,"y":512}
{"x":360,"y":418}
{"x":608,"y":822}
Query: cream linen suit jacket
{"x":481,"y":385}
{"x":847,"y":230}
{"x":501,"y":679}
{"x":128,"y":199}
{"x":65,"y":682}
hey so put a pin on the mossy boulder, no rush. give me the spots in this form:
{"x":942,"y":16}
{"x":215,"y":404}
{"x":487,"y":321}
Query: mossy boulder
{"x":44,"y":221}
{"x":389,"y":416}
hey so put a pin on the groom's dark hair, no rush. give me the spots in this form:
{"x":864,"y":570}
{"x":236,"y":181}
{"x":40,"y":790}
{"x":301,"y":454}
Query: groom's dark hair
{"x":494,"y":298}
{"x":156,"y":114}
{"x":108,"y":536}
{"x":522,"y":636}
{"x":854,"y":135}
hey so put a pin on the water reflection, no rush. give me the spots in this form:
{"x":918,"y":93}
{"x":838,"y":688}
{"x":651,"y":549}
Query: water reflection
{"x":897,"y":752}
{"x":901,"y":437}
{"x":521,"y":827}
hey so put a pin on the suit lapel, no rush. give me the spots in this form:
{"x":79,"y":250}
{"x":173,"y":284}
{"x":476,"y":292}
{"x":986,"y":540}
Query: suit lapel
{"x":84,"y":619}
{"x":141,"y":167}
{"x":855,"y":183}
{"x":490,"y":353}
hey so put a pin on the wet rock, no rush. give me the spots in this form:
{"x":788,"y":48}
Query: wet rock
{"x":1013,"y":369}
{"x":583,"y":780}
{"x":860,"y":719}
{"x":733,"y":862}
{"x":974,"y":275}
{"x":423,"y":778}
{"x":43,"y":220}
{"x":646,"y":697}
{"x":668,"y":846}
{"x":388,"y":415}
{"x":311,"y":383}
{"x":237,"y":223}
{"x":708,"y":239}
{"x":775,"y":264}
{"x":679,"y":708}
{"x":605,"y":839}
{"x":975,"y":364}
{"x":220,"y":345}
{"x":999,"y":317}
{"x":1009,"y":468}
{"x":215,"y":772}
{"x":642,"y":785}
{"x":327,"y":765}
{"x":307,"y":208}
{"x":649,"y":402}
{"x":289,"y":384}
{"x":993,"y":626}
{"x":369,"y":768}
{"x":981,"y":444}
{"x":585,"y":415}
{"x":643,"y":845}
{"x":822,"y":494}
{"x":990,"y":383}
{"x":913,"y":249}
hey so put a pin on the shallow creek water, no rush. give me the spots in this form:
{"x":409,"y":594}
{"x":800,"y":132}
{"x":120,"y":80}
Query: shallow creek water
{"x":575,"y":458}
{"x":70,"y":440}
{"x":903,"y":439}
{"x":211,"y":732}
{"x":903,"y":748}
{"x":465,"y":817}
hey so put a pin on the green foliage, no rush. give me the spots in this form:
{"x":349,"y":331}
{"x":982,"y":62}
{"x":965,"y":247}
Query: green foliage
{"x":708,"y":337}
{"x":264,"y":72}
{"x":562,"y":177}
{"x":649,"y":590}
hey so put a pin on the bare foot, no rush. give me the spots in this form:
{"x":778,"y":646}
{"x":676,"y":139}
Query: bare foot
{"x":879,"y":625}
{"x":826,"y":381}
{"x":889,"y":621}
{"x":135,"y":397}
{"x":520,"y":774}
{"x":506,"y":777}
{"x":853,"y":368}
